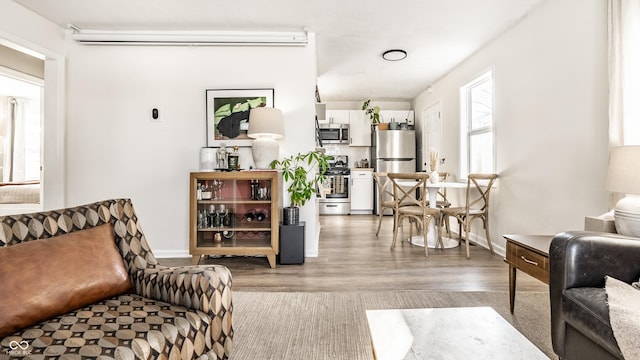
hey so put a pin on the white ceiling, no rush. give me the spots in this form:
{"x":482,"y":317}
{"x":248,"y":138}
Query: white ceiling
{"x":351,"y":34}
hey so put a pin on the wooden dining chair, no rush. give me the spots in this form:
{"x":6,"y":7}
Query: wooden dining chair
{"x":476,"y":207}
{"x":385,"y":195}
{"x":442,"y":201}
{"x":411,"y":202}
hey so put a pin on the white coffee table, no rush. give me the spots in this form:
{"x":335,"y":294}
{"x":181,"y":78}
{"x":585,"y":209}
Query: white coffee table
{"x":446,"y":333}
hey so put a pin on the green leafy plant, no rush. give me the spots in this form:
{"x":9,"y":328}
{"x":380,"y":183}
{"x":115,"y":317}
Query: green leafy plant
{"x":373,"y":112}
{"x":296,"y":170}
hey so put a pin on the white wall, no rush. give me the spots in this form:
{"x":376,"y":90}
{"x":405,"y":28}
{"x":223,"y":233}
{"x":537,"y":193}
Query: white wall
{"x":550,"y":118}
{"x":115,"y":150}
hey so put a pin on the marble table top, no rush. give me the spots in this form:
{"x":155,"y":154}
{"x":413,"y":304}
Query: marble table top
{"x":447,"y":333}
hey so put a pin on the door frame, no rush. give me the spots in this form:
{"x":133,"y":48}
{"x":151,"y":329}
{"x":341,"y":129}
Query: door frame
{"x":52,"y":180}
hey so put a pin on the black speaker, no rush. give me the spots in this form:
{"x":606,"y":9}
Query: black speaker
{"x":291,"y":244}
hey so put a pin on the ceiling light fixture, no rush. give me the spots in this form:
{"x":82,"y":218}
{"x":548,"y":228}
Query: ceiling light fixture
{"x":394,"y":55}
{"x":202,"y":38}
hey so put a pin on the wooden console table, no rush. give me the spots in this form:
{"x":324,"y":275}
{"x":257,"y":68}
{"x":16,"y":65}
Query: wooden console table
{"x":529,"y":254}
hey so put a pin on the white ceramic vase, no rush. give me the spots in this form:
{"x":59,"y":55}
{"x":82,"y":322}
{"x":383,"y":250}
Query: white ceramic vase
{"x":434,"y":177}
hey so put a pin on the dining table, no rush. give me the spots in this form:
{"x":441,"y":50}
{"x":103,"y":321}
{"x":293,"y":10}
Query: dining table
{"x":432,"y":234}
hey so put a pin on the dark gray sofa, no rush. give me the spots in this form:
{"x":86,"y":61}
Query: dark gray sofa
{"x":579,"y":262}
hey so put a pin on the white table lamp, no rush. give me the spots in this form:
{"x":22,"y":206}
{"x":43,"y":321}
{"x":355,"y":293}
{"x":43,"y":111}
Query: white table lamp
{"x":624,"y":177}
{"x":266,"y":126}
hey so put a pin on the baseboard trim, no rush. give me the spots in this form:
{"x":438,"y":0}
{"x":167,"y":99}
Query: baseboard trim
{"x":480,"y":241}
{"x":360,"y":212}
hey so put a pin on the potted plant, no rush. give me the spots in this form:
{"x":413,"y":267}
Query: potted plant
{"x":374,"y":115}
{"x":295,"y":169}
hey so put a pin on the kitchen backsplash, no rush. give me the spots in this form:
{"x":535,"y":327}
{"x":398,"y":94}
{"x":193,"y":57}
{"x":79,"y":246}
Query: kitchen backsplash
{"x":356,"y":153}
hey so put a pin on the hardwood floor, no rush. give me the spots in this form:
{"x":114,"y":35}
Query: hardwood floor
{"x":352,"y":258}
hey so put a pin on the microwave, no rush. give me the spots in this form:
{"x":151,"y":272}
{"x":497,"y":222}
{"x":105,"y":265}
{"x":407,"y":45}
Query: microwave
{"x":334,"y":133}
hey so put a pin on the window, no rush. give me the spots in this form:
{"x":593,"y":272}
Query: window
{"x":477,"y":147}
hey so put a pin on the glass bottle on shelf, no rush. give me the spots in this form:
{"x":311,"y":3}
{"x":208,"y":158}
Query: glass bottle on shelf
{"x":213,"y":222}
{"x":205,"y":219}
{"x":254,"y":189}
{"x":250,"y":215}
{"x":217,"y":189}
{"x":221,"y":156}
{"x":234,"y":159}
{"x":228,"y":220}
{"x":206,"y":191}
{"x":260,"y":215}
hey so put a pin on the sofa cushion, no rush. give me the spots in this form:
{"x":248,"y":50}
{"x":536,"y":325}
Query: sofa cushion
{"x":48,"y":277}
{"x":586,"y":310}
{"x":123,"y":327}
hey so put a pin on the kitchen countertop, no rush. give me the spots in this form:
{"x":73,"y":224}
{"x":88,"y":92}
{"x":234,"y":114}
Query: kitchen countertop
{"x":361,"y":169}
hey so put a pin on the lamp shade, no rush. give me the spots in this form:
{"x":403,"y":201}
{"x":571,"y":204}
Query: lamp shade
{"x":624,"y":170}
{"x":266,"y":125}
{"x":266,"y":122}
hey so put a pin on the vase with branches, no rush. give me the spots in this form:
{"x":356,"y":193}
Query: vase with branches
{"x":434,"y":177}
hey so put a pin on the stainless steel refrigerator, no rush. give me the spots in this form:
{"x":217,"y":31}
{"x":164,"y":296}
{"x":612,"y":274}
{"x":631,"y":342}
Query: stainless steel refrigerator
{"x":392,"y":151}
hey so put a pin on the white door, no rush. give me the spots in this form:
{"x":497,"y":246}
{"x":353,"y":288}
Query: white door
{"x":431,"y":133}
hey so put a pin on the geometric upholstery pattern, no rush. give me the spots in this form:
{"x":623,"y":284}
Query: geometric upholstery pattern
{"x":124,"y":327}
{"x":193,"y":302}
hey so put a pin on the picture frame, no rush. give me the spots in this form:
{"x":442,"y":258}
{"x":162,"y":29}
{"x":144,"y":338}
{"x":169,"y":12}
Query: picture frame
{"x":228,"y":114}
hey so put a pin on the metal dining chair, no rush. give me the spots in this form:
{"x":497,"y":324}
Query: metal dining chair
{"x":476,"y":207}
{"x":411,"y":202}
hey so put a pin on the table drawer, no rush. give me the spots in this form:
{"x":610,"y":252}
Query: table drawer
{"x":530,"y":262}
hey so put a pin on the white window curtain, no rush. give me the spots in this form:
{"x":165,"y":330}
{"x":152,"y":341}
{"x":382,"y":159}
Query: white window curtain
{"x":14,"y":140}
{"x":624,"y":72}
{"x":5,"y":118}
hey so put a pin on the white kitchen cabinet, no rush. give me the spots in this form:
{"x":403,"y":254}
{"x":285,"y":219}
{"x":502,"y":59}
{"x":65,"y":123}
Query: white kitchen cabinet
{"x":338,"y":116}
{"x":335,"y":117}
{"x":359,"y":128}
{"x":361,"y":191}
{"x":398,"y":115}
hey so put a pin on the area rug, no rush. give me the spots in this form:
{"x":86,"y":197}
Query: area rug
{"x":333,"y":325}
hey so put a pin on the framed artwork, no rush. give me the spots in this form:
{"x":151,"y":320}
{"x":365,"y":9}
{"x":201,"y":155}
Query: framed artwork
{"x":228,"y":114}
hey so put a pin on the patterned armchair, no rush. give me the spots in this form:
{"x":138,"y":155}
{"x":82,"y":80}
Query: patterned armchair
{"x":169,"y":313}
